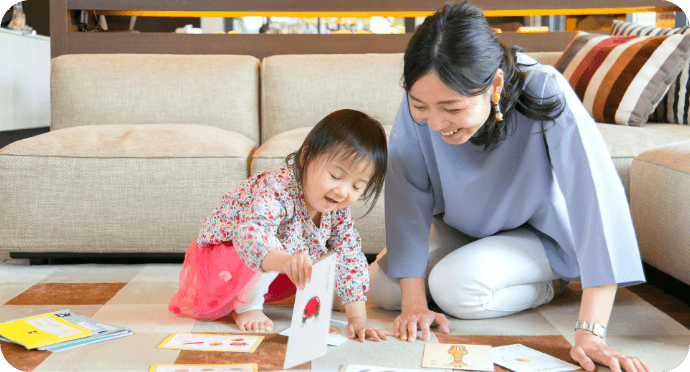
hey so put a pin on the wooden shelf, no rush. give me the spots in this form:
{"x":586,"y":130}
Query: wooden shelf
{"x":355,"y":5}
{"x":65,"y":42}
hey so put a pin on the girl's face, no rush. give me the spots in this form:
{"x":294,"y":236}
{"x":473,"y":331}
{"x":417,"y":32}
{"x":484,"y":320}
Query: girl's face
{"x":333,"y":183}
{"x":455,"y":117}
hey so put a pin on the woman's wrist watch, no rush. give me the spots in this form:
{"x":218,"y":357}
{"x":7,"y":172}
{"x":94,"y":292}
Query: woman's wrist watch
{"x":596,"y":328}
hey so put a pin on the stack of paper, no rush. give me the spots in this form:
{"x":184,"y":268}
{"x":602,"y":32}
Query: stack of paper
{"x":58,"y":331}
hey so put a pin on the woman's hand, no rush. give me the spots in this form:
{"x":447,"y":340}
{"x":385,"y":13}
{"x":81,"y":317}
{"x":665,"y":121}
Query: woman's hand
{"x":405,"y":324}
{"x":590,"y":349}
{"x":358,"y":327}
{"x":298,"y":269}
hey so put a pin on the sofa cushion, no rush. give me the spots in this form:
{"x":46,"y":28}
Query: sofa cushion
{"x":214,"y":90}
{"x":300,"y":90}
{"x":621,"y":79}
{"x":624,"y":143}
{"x":675,"y":105}
{"x":271,"y":155}
{"x":659,"y":184}
{"x":116,"y":188}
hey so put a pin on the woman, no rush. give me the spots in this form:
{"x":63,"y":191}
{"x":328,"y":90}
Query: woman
{"x":499,"y":191}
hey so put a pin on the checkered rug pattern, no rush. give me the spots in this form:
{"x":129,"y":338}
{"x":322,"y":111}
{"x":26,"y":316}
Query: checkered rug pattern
{"x":135,"y":296}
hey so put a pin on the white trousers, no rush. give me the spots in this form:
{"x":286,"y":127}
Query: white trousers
{"x":255,"y":298}
{"x":476,"y":278}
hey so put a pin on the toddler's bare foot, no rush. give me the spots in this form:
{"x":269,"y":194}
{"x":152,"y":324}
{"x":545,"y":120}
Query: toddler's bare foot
{"x":253,"y":320}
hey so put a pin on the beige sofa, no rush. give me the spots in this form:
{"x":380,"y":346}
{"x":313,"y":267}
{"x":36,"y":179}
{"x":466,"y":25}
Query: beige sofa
{"x":143,"y":147}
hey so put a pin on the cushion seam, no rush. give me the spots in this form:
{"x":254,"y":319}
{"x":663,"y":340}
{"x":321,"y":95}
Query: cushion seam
{"x":663,"y":166}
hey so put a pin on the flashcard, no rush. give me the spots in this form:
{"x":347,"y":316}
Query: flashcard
{"x":458,"y":356}
{"x":212,"y":342}
{"x":311,"y":315}
{"x":246,"y":367}
{"x":521,"y":358}
{"x":337,"y":333}
{"x":360,"y":368}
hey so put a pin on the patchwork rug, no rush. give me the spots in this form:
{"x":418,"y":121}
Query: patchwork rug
{"x":135,"y":296}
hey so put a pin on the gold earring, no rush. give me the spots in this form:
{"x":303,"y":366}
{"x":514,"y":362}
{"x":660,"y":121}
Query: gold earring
{"x":495,"y":97}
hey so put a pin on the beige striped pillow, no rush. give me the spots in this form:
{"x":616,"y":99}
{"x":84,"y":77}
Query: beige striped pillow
{"x":621,"y":79}
{"x":674,"y":107}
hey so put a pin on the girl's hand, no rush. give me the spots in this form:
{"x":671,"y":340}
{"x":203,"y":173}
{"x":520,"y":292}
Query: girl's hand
{"x":359,"y":328}
{"x":590,"y":349}
{"x":298,"y":269}
{"x":405,"y":324}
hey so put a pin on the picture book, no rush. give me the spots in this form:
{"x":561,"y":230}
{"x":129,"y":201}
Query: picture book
{"x":41,"y":330}
{"x":101,"y":332}
{"x":311,"y":315}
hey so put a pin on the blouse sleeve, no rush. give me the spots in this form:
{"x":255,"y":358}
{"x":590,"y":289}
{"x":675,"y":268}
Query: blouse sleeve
{"x":255,"y":232}
{"x":599,"y":215}
{"x":409,"y":200}
{"x":352,"y":270}
{"x":250,"y":218}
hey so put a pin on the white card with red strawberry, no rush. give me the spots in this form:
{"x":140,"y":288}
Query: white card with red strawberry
{"x":311,"y":315}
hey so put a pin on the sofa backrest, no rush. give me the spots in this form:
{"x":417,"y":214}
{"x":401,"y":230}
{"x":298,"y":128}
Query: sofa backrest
{"x":300,"y":90}
{"x":546,"y":58}
{"x":215,"y":90}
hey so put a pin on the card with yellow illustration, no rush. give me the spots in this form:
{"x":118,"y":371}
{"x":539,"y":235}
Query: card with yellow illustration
{"x":458,"y":357}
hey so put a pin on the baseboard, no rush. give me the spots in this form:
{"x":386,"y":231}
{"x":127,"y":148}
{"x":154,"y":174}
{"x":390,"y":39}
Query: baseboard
{"x":667,"y":283}
{"x":54,"y":258}
{"x":9,"y":136}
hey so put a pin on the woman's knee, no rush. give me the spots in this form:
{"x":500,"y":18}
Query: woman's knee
{"x":456,"y":293}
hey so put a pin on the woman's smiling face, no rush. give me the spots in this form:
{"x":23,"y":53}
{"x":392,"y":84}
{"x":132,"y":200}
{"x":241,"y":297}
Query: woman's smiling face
{"x":455,"y":117}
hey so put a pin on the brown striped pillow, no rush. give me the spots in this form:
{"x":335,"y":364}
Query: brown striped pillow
{"x":621,"y":79}
{"x":628,"y":28}
{"x":675,"y":105}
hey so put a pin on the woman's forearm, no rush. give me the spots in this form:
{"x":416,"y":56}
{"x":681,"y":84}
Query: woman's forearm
{"x":413,"y":293}
{"x":597,"y":303}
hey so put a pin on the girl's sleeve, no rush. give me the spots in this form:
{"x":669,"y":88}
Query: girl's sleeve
{"x":352,"y":270}
{"x":249,"y":217}
{"x":603,"y":236}
{"x":258,"y":222}
{"x":409,"y":201}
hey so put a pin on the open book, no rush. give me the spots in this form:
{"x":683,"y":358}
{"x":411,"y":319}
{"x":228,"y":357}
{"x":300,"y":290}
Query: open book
{"x":69,"y":331}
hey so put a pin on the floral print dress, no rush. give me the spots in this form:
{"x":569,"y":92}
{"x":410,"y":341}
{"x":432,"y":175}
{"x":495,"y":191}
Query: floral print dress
{"x":265,"y":213}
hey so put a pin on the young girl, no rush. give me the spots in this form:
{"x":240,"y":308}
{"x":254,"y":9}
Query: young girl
{"x":280,"y":221}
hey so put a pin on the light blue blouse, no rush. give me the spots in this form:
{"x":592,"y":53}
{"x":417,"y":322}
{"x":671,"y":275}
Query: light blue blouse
{"x":561,"y":182}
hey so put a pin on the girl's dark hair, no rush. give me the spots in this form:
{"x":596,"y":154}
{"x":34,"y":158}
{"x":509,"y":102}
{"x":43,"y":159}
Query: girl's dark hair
{"x":350,"y":135}
{"x":458,"y":44}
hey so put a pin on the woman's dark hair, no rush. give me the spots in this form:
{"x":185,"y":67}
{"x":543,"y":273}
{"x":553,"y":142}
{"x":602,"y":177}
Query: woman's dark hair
{"x":458,"y":44}
{"x":351,"y":135}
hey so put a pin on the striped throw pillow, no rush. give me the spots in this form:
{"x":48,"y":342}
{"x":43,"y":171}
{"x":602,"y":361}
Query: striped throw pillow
{"x":621,"y":79}
{"x":629,"y":28}
{"x":675,"y":105}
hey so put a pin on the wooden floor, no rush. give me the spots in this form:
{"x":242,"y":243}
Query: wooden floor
{"x":666,"y":294}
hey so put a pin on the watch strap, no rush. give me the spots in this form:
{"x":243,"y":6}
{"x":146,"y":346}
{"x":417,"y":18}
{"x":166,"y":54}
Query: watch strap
{"x":595,"y":328}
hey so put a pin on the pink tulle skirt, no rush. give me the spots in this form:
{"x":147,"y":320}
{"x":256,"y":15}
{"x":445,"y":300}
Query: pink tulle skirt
{"x":215,"y":279}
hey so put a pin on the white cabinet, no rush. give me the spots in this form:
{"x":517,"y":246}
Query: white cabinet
{"x":24,"y":80}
